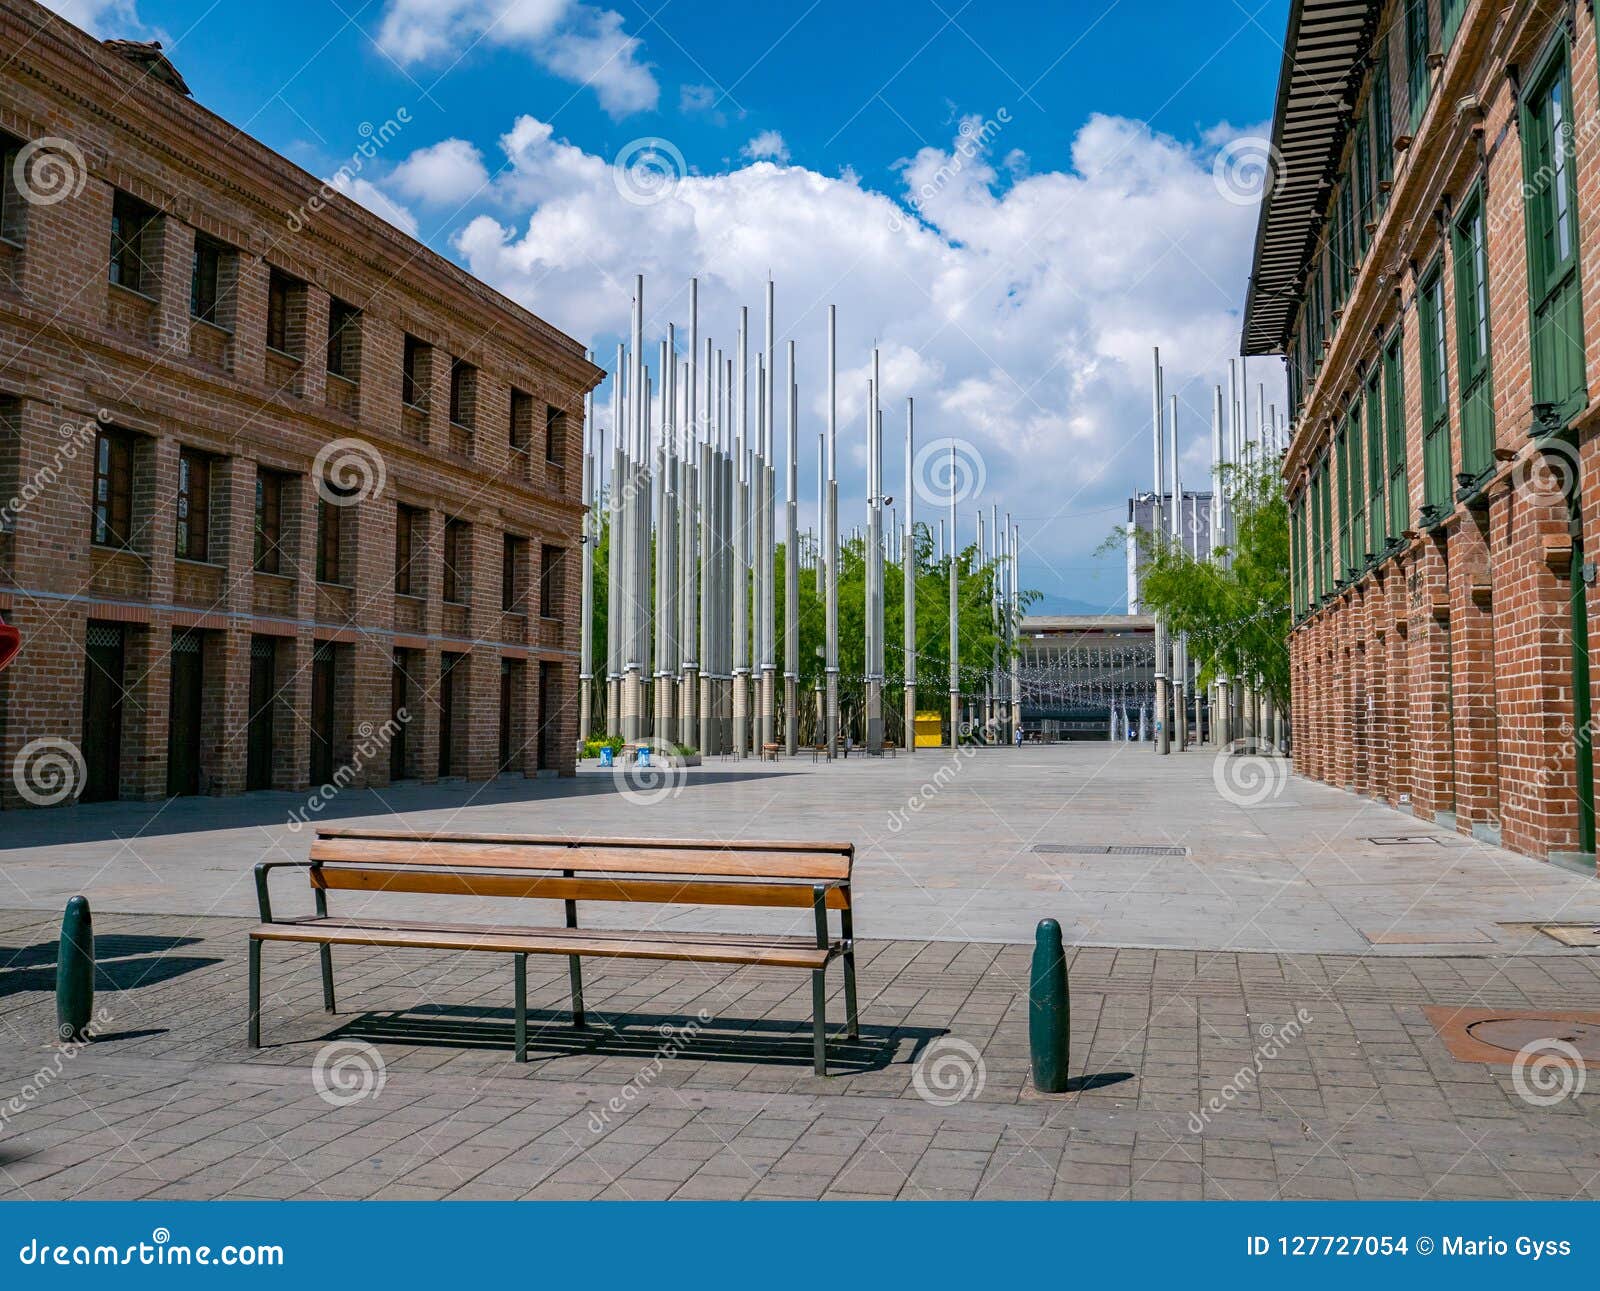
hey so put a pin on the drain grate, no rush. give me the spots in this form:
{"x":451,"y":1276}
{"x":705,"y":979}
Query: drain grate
{"x":1404,"y":840}
{"x":1108,"y":849}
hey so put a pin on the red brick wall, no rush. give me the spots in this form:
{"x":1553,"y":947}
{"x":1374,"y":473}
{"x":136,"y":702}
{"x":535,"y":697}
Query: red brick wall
{"x":76,"y":351}
{"x":1443,"y":678}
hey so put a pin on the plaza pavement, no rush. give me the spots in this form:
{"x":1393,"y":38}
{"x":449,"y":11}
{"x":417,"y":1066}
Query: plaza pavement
{"x":1235,"y":1032}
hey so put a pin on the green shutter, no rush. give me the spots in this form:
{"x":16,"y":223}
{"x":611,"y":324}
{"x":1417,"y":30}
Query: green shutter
{"x":1355,"y":497}
{"x":1472,"y":338}
{"x":1436,"y":486}
{"x":1382,"y":120}
{"x":1377,"y":538}
{"x":1450,"y":21}
{"x":1417,"y":57}
{"x":1394,"y":425}
{"x":1550,"y":192}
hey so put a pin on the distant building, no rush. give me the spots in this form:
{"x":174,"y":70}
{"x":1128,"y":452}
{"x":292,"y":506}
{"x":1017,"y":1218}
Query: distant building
{"x":1196,"y":533}
{"x":1079,"y":670}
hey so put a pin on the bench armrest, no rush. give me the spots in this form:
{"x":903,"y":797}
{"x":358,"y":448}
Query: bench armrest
{"x":262,"y":870}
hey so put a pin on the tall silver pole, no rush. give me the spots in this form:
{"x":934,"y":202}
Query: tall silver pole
{"x":1220,"y":735}
{"x":955,"y":636}
{"x":1015,"y":576}
{"x":830,"y":542}
{"x":586,"y":606}
{"x":615,"y":546}
{"x":874,"y":553}
{"x":1180,"y":656}
{"x":741,"y":563}
{"x":1163,"y":726}
{"x":908,"y":576}
{"x":791,"y":574}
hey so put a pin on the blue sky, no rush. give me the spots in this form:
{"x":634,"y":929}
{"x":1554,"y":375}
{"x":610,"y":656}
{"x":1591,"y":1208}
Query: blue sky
{"x":1082,"y":224}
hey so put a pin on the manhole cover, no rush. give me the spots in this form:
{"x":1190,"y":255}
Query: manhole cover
{"x":1515,"y":1034}
{"x":1404,"y":840}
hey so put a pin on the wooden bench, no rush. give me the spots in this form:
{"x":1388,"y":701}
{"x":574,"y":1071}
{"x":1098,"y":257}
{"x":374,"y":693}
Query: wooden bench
{"x":770,"y":751}
{"x":780,"y":875}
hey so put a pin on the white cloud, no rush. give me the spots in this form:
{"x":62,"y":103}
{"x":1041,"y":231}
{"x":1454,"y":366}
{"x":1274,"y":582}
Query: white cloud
{"x":578,"y":42}
{"x":103,"y":18}
{"x":1017,"y":304}
{"x":768,"y":146}
{"x":375,"y":200}
{"x":444,"y":174}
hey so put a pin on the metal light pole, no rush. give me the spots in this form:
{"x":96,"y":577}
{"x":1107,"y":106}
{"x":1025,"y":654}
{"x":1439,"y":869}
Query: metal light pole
{"x":1162,"y":731}
{"x":830,"y":541}
{"x":908,"y":575}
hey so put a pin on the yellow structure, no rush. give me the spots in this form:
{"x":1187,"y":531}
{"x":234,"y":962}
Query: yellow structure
{"x":930,"y":730}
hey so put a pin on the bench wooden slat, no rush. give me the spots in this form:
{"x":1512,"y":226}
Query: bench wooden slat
{"x":687,"y":891}
{"x":557,"y":840}
{"x":610,"y":859}
{"x":777,"y":952}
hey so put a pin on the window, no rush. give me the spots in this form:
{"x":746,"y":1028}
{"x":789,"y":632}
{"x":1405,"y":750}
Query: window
{"x":1417,"y":57}
{"x":285,"y":300}
{"x":552,"y":581}
{"x":1436,"y":488}
{"x":555,"y":436}
{"x":1551,"y":214}
{"x":132,"y":239}
{"x":414,"y":375}
{"x":1472,"y":340}
{"x":194,"y":505}
{"x":205,"y":279}
{"x":521,"y":420}
{"x":1355,"y":497}
{"x":269,"y":521}
{"x":457,"y":584}
{"x":1382,"y":123}
{"x":113,"y":489}
{"x":463,"y":393}
{"x":1341,"y":454}
{"x":13,"y":209}
{"x":1394,"y":427}
{"x":1377,"y":517}
{"x":344,"y":340}
{"x":331,"y":503}
{"x":511,"y":578}
{"x":405,"y":538}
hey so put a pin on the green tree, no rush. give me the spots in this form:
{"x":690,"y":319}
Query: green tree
{"x":1233,"y":608}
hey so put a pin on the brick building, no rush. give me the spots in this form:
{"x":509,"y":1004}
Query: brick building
{"x":1421,"y":262}
{"x":275,"y":471}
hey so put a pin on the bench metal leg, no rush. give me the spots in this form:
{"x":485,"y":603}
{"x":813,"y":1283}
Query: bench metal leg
{"x":255,"y":994}
{"x":851,"y":1013}
{"x":521,"y":968}
{"x":819,"y":1022}
{"x":575,"y":972}
{"x":327,"y":979}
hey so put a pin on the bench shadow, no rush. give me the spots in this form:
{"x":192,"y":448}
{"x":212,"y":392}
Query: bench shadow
{"x":667,"y":1036}
{"x":118,"y":975}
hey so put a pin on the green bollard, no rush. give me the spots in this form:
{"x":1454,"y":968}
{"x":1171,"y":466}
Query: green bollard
{"x":1049,"y":1010}
{"x":75,"y":971}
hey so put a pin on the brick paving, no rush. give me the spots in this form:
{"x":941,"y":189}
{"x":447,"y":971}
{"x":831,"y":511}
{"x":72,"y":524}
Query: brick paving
{"x":1355,"y":1096}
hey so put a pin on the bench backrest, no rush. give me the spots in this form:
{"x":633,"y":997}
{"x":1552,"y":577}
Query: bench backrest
{"x":663,"y":871}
